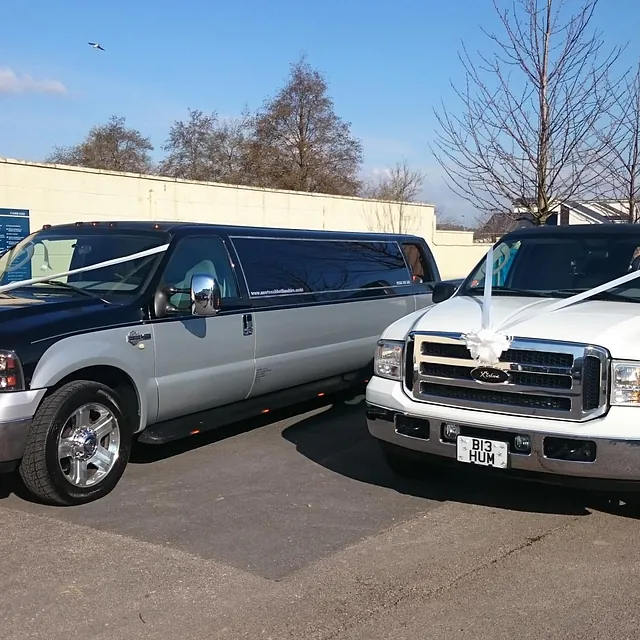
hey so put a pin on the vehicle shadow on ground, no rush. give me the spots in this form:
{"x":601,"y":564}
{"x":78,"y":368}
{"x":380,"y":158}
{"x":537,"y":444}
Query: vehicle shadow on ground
{"x":151,"y":453}
{"x":143,"y":454}
{"x":339,"y":441}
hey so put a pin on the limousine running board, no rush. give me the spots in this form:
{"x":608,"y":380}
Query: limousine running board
{"x":201,"y":422}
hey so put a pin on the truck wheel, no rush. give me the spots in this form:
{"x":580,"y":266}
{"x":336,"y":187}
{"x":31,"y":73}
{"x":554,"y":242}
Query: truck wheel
{"x":78,"y":445}
{"x":404,"y":465}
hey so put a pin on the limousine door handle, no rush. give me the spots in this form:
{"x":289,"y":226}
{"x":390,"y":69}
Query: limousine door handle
{"x":247,"y":324}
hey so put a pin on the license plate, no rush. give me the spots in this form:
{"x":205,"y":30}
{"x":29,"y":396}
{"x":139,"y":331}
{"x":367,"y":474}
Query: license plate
{"x":487,"y":453}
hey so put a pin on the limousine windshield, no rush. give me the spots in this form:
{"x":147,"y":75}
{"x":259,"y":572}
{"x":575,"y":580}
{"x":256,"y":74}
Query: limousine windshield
{"x":51,"y":252}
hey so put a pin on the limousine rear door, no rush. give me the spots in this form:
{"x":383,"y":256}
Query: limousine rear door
{"x":202,"y":362}
{"x":320,"y":304}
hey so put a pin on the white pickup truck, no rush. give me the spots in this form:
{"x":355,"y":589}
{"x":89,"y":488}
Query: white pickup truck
{"x":559,"y":401}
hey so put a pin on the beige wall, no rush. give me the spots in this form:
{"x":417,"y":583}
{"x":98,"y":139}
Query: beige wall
{"x":456,"y":252}
{"x":55,"y":194}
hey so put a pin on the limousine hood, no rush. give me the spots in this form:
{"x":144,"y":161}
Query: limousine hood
{"x":27,"y":317}
{"x":613,"y":325}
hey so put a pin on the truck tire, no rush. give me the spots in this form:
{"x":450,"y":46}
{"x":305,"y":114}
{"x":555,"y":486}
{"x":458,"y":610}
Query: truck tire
{"x":403,"y":464}
{"x":78,"y":445}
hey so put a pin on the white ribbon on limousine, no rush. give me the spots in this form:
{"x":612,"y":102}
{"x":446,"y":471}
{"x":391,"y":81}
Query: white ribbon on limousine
{"x":98,"y":265}
{"x":487,"y":344}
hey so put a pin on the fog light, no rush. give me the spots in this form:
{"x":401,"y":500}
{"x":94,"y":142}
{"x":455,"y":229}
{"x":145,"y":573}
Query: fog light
{"x":570,"y":450}
{"x":412,"y":427}
{"x":450,"y":431}
{"x":522,"y":444}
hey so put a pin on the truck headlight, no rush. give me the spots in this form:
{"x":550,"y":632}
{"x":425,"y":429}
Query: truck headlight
{"x":625,"y":384}
{"x":387,"y":362}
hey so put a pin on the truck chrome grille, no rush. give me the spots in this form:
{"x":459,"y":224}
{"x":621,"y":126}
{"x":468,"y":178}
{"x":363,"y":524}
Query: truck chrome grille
{"x":546,"y":378}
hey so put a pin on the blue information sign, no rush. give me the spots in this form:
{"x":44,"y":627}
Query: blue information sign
{"x":14,"y":226}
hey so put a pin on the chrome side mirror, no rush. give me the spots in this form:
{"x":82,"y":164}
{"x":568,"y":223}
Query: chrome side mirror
{"x":205,"y":295}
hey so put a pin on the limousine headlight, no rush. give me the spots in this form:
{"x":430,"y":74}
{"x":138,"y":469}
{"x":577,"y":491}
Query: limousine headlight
{"x":11,"y":378}
{"x":387,"y":362}
{"x":625,"y":384}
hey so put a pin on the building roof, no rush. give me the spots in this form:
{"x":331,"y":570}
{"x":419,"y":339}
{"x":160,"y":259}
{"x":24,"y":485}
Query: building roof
{"x":599,"y":211}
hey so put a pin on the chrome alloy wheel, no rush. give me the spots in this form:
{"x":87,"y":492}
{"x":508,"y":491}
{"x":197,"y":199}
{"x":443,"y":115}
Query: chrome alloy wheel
{"x":89,"y":445}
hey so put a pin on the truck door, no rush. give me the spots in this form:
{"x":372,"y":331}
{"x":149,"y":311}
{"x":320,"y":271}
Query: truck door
{"x":202,"y":363}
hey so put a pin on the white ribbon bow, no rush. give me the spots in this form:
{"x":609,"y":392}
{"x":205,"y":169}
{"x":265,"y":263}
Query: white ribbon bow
{"x":486,"y":346}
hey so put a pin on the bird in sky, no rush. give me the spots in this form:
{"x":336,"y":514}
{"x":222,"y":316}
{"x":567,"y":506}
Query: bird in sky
{"x":95,"y":45}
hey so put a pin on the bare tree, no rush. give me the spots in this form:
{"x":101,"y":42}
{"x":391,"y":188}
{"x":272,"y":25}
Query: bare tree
{"x":620,"y":168}
{"x":446,"y":223}
{"x":231,"y":149}
{"x":395,"y":188}
{"x":111,"y":146}
{"x":530,"y":111}
{"x":188,"y":148}
{"x":299,"y":142}
{"x":400,"y":183}
{"x":207,"y":149}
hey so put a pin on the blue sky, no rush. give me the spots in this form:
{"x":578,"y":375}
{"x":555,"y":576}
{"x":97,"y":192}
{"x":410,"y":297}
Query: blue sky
{"x":387,"y":65}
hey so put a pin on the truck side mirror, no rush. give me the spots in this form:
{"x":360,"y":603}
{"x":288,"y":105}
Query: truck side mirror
{"x":206,"y":299}
{"x":443,"y":291}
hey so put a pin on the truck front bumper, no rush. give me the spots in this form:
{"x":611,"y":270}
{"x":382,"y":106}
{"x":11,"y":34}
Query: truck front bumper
{"x":17,"y":409}
{"x":614,"y":439}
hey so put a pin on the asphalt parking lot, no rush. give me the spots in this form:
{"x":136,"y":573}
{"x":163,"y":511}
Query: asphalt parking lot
{"x":291,"y":526}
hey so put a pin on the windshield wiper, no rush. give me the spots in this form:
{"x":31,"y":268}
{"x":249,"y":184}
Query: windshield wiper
{"x":603,"y":295}
{"x":66,"y":285}
{"x":516,"y":292}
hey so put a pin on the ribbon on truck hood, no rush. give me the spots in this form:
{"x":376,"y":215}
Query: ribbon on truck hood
{"x":98,"y":265}
{"x":488,"y":343}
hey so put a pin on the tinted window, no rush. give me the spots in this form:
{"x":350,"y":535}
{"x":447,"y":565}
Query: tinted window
{"x":418,"y":265}
{"x":285,"y":267}
{"x":566,"y":263}
{"x":198,"y":255}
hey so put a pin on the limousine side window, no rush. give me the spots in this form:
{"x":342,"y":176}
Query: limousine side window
{"x":198,"y":255}
{"x":284,"y":266}
{"x":418,"y":265}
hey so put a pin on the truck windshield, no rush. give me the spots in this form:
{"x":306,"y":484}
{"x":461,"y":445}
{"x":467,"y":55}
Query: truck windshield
{"x":55,"y":251}
{"x":561,"y":266}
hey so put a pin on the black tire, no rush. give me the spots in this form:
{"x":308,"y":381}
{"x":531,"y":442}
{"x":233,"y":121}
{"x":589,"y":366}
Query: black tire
{"x":405,"y":465}
{"x":40,"y":469}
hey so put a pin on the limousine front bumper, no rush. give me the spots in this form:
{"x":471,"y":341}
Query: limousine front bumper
{"x":606,"y":448}
{"x":17,"y":409}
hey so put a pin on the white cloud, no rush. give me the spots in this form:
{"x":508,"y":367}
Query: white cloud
{"x":11,"y":82}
